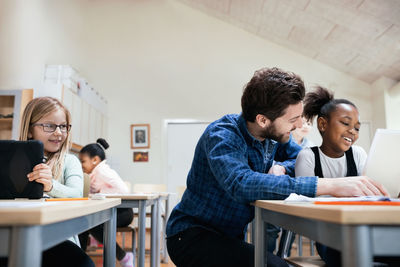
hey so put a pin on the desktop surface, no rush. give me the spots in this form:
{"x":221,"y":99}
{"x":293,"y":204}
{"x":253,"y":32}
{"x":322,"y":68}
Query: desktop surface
{"x":342,"y":214}
{"x":37,"y":212}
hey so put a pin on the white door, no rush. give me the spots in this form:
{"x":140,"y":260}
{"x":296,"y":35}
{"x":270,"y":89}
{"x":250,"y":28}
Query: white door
{"x":182,"y":138}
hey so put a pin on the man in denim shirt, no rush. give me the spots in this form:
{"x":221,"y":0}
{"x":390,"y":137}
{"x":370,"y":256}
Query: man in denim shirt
{"x":233,"y":167}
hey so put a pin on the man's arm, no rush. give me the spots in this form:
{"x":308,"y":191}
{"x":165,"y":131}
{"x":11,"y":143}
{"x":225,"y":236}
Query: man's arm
{"x":228,"y":160}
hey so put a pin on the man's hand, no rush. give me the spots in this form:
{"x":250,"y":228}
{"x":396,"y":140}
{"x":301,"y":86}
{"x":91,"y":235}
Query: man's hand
{"x":277,"y":170}
{"x":350,"y":187}
{"x":42,"y":174}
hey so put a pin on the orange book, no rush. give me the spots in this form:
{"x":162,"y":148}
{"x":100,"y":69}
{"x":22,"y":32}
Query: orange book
{"x":67,"y":199}
{"x":374,"y":203}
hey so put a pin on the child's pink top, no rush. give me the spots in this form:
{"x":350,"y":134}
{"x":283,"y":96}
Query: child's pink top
{"x":105,"y":180}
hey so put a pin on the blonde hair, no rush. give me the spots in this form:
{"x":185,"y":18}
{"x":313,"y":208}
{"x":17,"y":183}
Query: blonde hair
{"x":35,"y":110}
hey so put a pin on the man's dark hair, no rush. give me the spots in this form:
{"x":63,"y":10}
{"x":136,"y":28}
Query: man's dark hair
{"x":270,"y":92}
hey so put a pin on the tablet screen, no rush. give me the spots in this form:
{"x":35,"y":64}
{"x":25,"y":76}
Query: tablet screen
{"x":17,"y":159}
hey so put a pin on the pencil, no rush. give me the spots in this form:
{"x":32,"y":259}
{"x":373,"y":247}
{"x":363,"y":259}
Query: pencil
{"x":67,"y":199}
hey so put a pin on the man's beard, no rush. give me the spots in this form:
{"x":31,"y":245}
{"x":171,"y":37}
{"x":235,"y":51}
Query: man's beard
{"x":272,"y":133}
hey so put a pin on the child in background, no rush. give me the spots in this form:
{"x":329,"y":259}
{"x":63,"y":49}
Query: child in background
{"x":339,"y":125}
{"x":299,"y":134}
{"x":46,"y":119}
{"x":105,"y":180}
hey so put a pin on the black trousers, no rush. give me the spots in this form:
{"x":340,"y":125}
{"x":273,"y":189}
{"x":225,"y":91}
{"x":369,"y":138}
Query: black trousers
{"x":65,"y":254}
{"x":124,"y":218}
{"x":200,"y":247}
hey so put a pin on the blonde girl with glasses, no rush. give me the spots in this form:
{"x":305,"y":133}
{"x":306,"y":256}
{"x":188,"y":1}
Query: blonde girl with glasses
{"x":46,"y":119}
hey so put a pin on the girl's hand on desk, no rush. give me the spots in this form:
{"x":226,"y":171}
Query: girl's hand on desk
{"x":42,"y":174}
{"x":350,"y":187}
{"x":94,"y":189}
{"x":94,"y":186}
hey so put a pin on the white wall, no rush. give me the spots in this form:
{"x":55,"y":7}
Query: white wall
{"x":152,"y":60}
{"x":392,"y":107}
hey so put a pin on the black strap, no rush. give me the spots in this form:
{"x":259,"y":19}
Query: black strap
{"x":317,"y":168}
{"x":351,"y":165}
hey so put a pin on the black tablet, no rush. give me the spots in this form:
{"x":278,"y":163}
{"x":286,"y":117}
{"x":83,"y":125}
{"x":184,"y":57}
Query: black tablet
{"x":17,"y":159}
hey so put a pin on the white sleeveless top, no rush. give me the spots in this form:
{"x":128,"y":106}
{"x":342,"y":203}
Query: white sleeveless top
{"x":331,"y":167}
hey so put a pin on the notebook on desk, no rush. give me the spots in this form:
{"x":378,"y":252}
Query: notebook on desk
{"x":17,"y":159}
{"x":383,"y":162}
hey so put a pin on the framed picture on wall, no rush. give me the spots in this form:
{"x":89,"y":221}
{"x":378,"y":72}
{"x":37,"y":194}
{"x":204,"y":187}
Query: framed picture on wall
{"x":140,"y":156}
{"x":140,"y":136}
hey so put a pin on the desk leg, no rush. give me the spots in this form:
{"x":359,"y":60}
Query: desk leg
{"x":26,"y":246}
{"x":109,"y":233}
{"x":142,"y":232}
{"x":164,"y":244}
{"x":357,"y":248}
{"x":155,"y":239}
{"x":259,"y":239}
{"x":252,"y":231}
{"x":158,"y":232}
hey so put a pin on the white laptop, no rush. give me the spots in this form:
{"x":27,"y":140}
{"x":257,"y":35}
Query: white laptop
{"x":383,"y":162}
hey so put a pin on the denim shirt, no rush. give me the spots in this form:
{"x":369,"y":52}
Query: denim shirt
{"x":228,"y":172}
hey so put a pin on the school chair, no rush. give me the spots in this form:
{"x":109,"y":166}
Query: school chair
{"x":285,"y":245}
{"x":149,"y":188}
{"x":86,"y":185}
{"x":156,"y":188}
{"x":129,"y":185}
{"x":129,"y":229}
{"x":306,"y":261}
{"x":180,"y":190}
{"x":300,"y":260}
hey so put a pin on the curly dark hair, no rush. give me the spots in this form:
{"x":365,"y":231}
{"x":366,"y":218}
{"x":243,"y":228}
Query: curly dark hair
{"x":269,"y":92}
{"x":321,"y":103}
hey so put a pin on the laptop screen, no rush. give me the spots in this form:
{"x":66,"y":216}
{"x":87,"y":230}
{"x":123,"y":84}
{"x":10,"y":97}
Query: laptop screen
{"x":383,"y":163}
{"x":17,"y":159}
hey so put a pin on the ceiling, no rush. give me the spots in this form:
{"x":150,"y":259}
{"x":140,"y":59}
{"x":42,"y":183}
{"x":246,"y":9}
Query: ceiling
{"x":358,"y":37}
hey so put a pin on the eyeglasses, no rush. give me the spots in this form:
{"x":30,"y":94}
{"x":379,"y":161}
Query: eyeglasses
{"x":50,"y":127}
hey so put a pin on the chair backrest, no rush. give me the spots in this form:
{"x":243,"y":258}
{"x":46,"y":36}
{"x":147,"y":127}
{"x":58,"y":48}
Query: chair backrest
{"x":129,"y":185}
{"x":180,"y":190}
{"x":86,"y":185}
{"x":149,"y":188}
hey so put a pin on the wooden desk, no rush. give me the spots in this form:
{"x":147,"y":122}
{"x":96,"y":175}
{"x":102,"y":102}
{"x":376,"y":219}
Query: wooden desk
{"x":358,"y":231}
{"x":141,"y":201}
{"x":163,"y":196}
{"x":27,"y":230}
